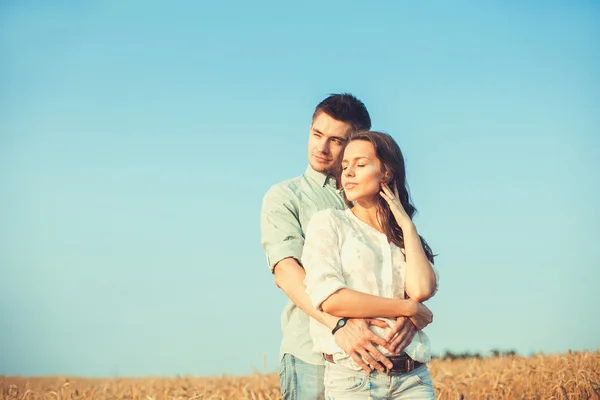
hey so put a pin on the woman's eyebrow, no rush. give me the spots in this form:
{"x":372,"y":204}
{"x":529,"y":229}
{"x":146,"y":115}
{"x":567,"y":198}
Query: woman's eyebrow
{"x":356,"y":158}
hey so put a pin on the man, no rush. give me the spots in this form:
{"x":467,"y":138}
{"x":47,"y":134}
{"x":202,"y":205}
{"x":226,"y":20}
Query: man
{"x":286,"y":210}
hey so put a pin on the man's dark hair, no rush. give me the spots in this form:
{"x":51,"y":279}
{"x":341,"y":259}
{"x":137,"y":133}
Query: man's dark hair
{"x":346,"y":108}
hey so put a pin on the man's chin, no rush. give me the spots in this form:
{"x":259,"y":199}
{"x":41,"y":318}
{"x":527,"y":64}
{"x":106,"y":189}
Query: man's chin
{"x":322,"y":168}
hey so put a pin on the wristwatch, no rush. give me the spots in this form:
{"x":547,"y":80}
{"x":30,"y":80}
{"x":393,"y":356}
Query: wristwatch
{"x":340,"y":324}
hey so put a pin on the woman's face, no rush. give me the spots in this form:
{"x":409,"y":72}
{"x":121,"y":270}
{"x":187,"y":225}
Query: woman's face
{"x":362,"y":174}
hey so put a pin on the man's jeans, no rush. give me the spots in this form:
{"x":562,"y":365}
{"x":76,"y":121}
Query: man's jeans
{"x":299,"y":380}
{"x":344,"y":383}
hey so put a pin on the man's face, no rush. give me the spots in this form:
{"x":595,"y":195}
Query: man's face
{"x":326,"y":142}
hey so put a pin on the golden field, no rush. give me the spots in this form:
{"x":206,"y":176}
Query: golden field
{"x":568,"y":376}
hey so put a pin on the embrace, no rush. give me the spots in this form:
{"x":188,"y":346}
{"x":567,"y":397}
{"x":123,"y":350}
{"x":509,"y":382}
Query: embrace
{"x":341,"y":244}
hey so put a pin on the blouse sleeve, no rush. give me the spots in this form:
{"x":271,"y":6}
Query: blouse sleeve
{"x":321,"y":258}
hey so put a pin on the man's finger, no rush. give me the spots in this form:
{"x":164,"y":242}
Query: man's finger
{"x":404,"y":341}
{"x":361,"y":363}
{"x":405,"y":328}
{"x":401,"y":336}
{"x":398,"y":326}
{"x":378,"y":355}
{"x":370,"y":360}
{"x":373,"y":338}
{"x":402,"y":345}
{"x":378,"y":322}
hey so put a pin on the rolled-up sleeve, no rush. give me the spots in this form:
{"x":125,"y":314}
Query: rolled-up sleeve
{"x":321,"y":259}
{"x":280,"y":230}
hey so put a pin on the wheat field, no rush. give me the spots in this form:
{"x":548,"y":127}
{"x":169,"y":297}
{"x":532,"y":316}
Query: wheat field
{"x":568,"y":376}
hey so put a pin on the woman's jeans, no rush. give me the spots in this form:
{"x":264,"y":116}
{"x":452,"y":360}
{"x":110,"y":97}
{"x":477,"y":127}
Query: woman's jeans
{"x":344,"y":383}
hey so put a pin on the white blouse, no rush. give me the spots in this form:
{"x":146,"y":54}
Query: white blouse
{"x":342,"y":251}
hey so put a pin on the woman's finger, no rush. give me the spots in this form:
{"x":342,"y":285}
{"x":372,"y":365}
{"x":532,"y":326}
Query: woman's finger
{"x":386,"y":189}
{"x":396,"y":192}
{"x":391,"y":202}
{"x":392,"y":193}
{"x":392,"y":196}
{"x":386,"y":197}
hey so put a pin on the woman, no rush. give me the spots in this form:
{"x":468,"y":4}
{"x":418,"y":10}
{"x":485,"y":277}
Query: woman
{"x":363,"y":262}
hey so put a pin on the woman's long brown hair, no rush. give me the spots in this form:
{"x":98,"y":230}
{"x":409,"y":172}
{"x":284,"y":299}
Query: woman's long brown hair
{"x":392,"y":161}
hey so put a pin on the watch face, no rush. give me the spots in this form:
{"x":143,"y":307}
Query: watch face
{"x":341,"y":322}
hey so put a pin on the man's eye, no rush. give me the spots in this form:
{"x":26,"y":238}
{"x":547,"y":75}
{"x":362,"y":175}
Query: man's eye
{"x":337,"y":141}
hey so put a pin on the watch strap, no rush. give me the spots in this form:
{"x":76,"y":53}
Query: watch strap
{"x":340,"y":324}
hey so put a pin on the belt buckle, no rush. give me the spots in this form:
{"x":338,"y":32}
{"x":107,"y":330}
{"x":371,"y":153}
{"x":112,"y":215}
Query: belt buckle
{"x":410,"y":364}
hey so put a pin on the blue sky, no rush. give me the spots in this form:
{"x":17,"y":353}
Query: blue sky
{"x":137,"y":140}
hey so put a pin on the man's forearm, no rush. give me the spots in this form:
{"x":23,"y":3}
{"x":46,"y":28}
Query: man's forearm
{"x":289,"y":276}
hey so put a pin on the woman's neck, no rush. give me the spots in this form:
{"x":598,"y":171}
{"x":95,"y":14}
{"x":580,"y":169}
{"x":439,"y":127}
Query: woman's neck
{"x":366,"y":211}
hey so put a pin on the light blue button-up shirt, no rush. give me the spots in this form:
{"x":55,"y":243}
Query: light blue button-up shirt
{"x":286,"y":210}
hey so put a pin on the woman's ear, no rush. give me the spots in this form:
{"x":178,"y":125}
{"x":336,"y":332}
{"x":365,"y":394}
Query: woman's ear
{"x":387,"y":177}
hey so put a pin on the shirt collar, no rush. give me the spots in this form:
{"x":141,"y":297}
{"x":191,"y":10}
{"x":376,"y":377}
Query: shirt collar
{"x":321,"y":178}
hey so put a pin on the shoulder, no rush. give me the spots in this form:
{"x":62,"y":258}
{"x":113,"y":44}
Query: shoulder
{"x":284,"y":189}
{"x":283,"y":194}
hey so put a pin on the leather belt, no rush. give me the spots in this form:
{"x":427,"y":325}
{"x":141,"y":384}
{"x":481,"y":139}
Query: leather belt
{"x":402,"y":363}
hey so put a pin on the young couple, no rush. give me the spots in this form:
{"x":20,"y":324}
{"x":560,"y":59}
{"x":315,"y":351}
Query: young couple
{"x":341,"y":244}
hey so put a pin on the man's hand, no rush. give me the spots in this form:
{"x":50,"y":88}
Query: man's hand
{"x":356,"y":339}
{"x":422,"y":316}
{"x":401,"y":334}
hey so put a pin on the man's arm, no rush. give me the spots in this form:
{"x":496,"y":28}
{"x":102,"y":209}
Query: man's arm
{"x":289,"y":277}
{"x":282,"y":239}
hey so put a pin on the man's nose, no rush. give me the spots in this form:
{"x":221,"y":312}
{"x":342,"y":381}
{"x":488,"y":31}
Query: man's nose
{"x":324,"y":146}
